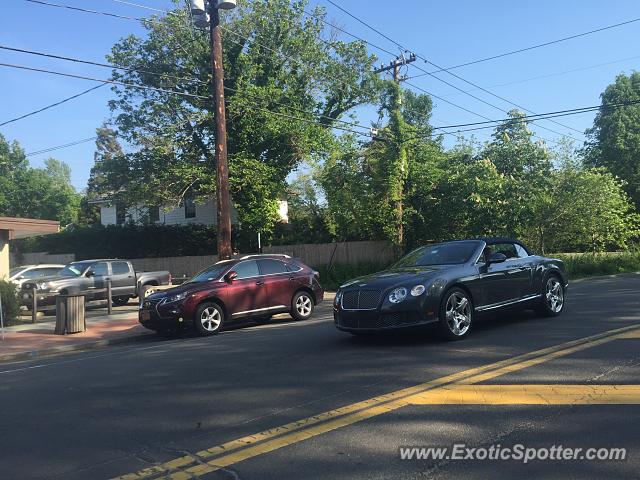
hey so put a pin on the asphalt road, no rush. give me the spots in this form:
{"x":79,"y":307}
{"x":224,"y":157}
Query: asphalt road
{"x":305,"y":401}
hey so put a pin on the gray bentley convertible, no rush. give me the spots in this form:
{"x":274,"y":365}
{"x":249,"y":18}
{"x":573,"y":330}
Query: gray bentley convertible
{"x":449,"y":284}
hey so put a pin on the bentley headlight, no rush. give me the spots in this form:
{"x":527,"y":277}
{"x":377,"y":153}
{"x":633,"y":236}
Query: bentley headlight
{"x":338,"y":297}
{"x":43,"y":286}
{"x":417,"y":290}
{"x":398,"y":295}
{"x":177,"y":297}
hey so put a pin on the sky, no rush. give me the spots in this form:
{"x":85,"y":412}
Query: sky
{"x":566,"y":75}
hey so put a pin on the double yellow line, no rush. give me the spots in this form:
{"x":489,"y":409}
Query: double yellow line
{"x":224,"y":455}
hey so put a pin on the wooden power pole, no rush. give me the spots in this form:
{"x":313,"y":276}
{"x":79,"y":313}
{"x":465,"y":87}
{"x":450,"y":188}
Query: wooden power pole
{"x":222,"y":166}
{"x":396,"y":123}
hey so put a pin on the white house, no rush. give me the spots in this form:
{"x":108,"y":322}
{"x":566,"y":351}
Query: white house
{"x":191,"y":211}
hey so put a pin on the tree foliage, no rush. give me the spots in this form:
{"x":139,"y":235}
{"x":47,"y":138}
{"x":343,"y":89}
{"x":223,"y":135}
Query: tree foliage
{"x":614,"y":139}
{"x":286,"y":85}
{"x":44,"y":193}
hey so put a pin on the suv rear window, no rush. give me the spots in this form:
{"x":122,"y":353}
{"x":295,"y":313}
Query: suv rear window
{"x":269,"y":266}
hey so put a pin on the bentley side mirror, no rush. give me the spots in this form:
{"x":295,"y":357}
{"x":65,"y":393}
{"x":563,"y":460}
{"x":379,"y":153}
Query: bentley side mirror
{"x":230,"y":276}
{"x":90,"y":273}
{"x":496,"y":258}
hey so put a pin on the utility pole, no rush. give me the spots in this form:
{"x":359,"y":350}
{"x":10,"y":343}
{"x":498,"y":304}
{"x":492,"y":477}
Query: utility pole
{"x":199,"y":11}
{"x":222,"y":166}
{"x":399,"y":172}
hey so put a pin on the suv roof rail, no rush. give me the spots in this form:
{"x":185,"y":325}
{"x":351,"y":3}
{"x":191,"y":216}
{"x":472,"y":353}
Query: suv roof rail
{"x":284,"y":255}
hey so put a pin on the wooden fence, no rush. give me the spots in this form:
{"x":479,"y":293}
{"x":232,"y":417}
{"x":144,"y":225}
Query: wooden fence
{"x":345,"y":253}
{"x":315,"y":255}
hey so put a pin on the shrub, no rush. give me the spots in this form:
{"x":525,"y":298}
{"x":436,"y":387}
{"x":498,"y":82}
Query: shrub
{"x":340,"y":273}
{"x":589,"y":264}
{"x":10,"y":304}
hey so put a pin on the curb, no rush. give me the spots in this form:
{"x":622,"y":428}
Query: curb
{"x":31,"y":354}
{"x":602,"y":277}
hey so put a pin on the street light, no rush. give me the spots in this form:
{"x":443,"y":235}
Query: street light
{"x":203,"y":13}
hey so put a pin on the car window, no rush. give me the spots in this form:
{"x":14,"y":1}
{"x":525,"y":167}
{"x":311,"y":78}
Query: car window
{"x":507,"y":249}
{"x":268,"y":266}
{"x":119,"y":268}
{"x":246,"y":269}
{"x":439,"y":254}
{"x":293,"y":267}
{"x":47,"y":272}
{"x":14,"y":271}
{"x":522,"y":253}
{"x":33,"y":273}
{"x":100,"y":269}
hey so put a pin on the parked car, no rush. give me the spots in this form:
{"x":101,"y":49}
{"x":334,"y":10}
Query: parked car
{"x":230,"y":290}
{"x":19,"y":275}
{"x":449,"y":284}
{"x":90,"y":277}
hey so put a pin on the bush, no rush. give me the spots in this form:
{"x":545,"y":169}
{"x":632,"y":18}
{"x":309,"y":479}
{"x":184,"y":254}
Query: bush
{"x":338,"y":274}
{"x":589,"y":264}
{"x":10,"y":304}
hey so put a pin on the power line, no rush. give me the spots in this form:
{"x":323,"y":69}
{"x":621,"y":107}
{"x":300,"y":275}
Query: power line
{"x":52,"y":105}
{"x":533,"y":47}
{"x":107,"y":65}
{"x":59,"y":147}
{"x":84,"y":10}
{"x":556,"y":74}
{"x":438,"y":78}
{"x":97,"y":64}
{"x":139,"y":5}
{"x":115,"y":82}
{"x":558,"y":113}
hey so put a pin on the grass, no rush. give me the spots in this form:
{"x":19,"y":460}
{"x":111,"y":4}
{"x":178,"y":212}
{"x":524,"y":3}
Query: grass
{"x":578,"y":265}
{"x":581,"y":265}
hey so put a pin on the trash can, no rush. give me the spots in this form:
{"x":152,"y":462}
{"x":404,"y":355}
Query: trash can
{"x":70,"y":314}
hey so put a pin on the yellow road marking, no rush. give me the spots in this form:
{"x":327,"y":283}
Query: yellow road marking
{"x":632,"y":334}
{"x":266,"y":441}
{"x":530,"y":395}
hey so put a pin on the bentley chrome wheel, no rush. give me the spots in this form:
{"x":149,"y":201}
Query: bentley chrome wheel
{"x":458,"y":313}
{"x":554,"y":295}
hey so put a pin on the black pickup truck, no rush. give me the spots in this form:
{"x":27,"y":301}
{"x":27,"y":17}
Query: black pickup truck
{"x":90,"y":277}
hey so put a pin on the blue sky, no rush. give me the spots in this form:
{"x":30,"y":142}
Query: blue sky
{"x":448,"y":33}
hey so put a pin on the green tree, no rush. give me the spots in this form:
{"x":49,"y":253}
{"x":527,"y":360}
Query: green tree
{"x":44,"y":193}
{"x":308,"y":215}
{"x":276,"y":60}
{"x":614,"y":139}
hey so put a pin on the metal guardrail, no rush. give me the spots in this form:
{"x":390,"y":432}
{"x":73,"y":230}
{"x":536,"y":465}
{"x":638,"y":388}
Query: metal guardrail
{"x":109,"y":297}
{"x":35,"y":295}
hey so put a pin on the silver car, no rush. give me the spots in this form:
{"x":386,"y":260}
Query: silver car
{"x":19,"y":275}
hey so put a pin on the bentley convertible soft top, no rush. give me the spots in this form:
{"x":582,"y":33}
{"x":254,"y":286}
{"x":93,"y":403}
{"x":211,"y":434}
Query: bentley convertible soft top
{"x":449,"y":284}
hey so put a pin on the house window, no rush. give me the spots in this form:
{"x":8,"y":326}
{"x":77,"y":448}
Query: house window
{"x":121,"y":214}
{"x":189,"y":207}
{"x":154,"y":214}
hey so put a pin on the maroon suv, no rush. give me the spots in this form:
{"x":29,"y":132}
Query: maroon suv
{"x":251,"y":286}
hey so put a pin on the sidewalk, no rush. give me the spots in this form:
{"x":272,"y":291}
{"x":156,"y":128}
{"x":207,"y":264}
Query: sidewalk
{"x":23,"y":342}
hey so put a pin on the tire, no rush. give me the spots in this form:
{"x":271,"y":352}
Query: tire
{"x":209,"y":319}
{"x":302,"y":305}
{"x":456,"y":314}
{"x":120,"y":301}
{"x":552,"y":301}
{"x":143,"y":291}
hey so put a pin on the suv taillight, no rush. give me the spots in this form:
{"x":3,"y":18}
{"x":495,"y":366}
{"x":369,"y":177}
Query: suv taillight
{"x":170,"y":279}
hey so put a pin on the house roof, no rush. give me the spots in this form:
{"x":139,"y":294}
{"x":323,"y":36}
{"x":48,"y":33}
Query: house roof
{"x":26,"y":227}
